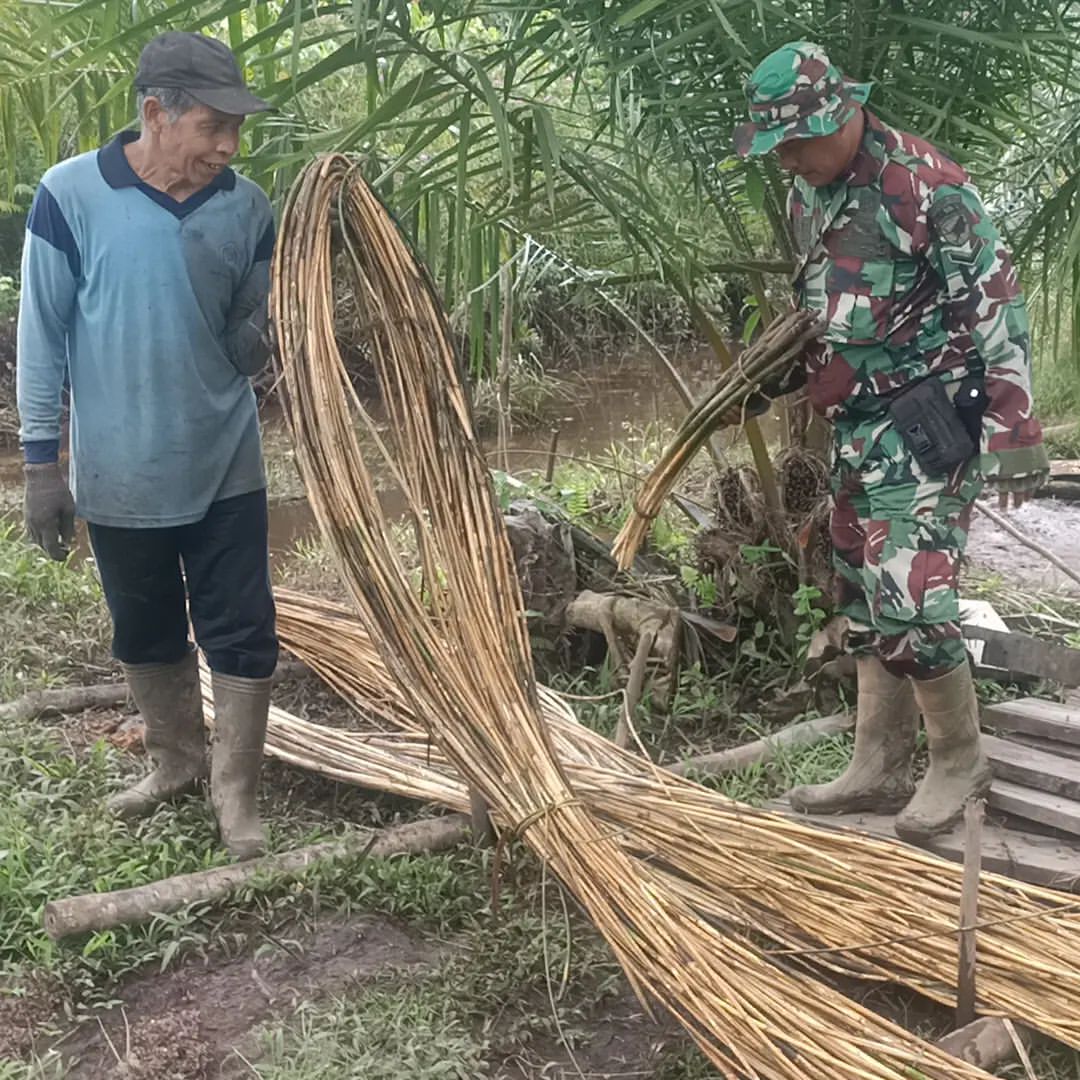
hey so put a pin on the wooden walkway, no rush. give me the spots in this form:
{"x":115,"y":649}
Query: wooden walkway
{"x":1032,"y":830}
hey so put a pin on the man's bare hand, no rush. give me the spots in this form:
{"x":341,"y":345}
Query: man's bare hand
{"x":1017,"y":489}
{"x":1018,"y":499}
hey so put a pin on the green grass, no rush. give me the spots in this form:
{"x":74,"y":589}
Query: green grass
{"x":57,"y":842}
{"x":1057,"y":403}
{"x":1056,"y":391}
{"x":53,"y":621}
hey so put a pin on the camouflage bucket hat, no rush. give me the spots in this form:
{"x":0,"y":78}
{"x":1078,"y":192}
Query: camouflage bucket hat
{"x":796,"y":93}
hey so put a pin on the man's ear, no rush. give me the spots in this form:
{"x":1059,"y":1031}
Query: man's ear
{"x":154,"y":117}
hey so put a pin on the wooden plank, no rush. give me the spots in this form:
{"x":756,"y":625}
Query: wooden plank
{"x":1040,"y":806}
{"x":1033,"y":768}
{"x":1048,"y":746}
{"x":1040,"y":860}
{"x":1033,"y":716}
{"x":1029,"y":655}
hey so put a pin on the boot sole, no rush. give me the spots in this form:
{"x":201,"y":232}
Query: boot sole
{"x":921,"y":836}
{"x":867,"y":802}
{"x":864,"y":804}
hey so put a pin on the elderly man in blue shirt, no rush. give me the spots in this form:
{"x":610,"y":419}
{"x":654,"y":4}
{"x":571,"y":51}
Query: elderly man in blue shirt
{"x":144,"y":282}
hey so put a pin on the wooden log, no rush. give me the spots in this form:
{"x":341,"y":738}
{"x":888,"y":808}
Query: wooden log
{"x":100,"y":911}
{"x":985,"y":1043}
{"x":1033,"y":768}
{"x":969,"y":913}
{"x":64,"y":699}
{"x":1063,"y":467}
{"x":795,"y":737}
{"x":1065,"y":489}
{"x":72,"y":699}
{"x":1033,"y":716}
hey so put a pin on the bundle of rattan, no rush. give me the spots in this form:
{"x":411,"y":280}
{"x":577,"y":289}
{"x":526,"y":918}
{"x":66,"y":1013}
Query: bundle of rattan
{"x":459,"y":654}
{"x":894,"y":910}
{"x":769,"y":359}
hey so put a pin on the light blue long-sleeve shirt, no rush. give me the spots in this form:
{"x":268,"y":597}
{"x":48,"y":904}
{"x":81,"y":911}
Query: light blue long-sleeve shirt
{"x":144,"y":303}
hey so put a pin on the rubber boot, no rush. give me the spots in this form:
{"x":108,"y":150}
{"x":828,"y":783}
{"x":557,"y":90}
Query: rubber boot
{"x":170,"y":700}
{"x":240,"y":713}
{"x":879,"y":775}
{"x":959,"y":769}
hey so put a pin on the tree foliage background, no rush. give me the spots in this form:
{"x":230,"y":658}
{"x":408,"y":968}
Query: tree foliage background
{"x":590,"y":139}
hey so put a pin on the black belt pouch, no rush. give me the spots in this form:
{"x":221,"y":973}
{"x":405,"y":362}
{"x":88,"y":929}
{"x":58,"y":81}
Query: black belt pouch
{"x":930,"y":427}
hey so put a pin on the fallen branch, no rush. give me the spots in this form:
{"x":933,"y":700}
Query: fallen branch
{"x":73,"y":699}
{"x":1033,"y":545}
{"x":100,"y":911}
{"x":65,"y":699}
{"x":795,"y":737}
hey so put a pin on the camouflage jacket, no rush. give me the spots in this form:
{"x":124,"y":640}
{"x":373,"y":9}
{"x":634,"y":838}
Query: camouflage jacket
{"x":913,"y":279}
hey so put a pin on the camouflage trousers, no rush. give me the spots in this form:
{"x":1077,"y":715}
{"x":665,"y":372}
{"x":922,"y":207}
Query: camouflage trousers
{"x":897,"y":537}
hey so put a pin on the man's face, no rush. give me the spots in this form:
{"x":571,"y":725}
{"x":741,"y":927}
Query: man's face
{"x":198,"y":144}
{"x":819,"y":161}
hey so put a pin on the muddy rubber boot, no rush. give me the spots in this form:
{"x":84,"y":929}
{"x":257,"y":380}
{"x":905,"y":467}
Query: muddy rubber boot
{"x":879,"y":775}
{"x":240,"y":713}
{"x":170,"y":701}
{"x":959,"y":769}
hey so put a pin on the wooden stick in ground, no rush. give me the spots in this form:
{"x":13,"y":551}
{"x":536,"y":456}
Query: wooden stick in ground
{"x":100,"y":911}
{"x":553,"y":449}
{"x":1033,"y":545}
{"x":969,"y":912}
{"x":65,"y":699}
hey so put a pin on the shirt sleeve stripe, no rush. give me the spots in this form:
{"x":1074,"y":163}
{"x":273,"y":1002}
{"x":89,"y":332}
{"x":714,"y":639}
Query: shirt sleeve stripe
{"x":265,"y":247}
{"x":47,"y":221}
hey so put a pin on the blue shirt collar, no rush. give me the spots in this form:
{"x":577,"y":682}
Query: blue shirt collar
{"x":118,"y":173}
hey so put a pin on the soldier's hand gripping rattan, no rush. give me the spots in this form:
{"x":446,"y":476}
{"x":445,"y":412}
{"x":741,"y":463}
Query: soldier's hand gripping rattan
{"x":759,"y":401}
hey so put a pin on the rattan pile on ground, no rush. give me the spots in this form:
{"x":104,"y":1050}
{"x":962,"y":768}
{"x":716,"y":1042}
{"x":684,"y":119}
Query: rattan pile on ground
{"x":803,"y":889}
{"x":459,"y":655}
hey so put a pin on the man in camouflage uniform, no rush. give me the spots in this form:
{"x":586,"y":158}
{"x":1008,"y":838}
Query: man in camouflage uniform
{"x":913,"y":283}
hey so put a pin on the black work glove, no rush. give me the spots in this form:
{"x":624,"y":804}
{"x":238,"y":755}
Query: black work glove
{"x":49,"y":510}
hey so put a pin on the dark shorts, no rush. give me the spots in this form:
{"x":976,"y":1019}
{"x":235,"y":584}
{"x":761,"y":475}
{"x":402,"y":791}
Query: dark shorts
{"x":219,"y":565}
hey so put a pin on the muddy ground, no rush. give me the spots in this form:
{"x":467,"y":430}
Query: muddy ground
{"x":1054,"y":524}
